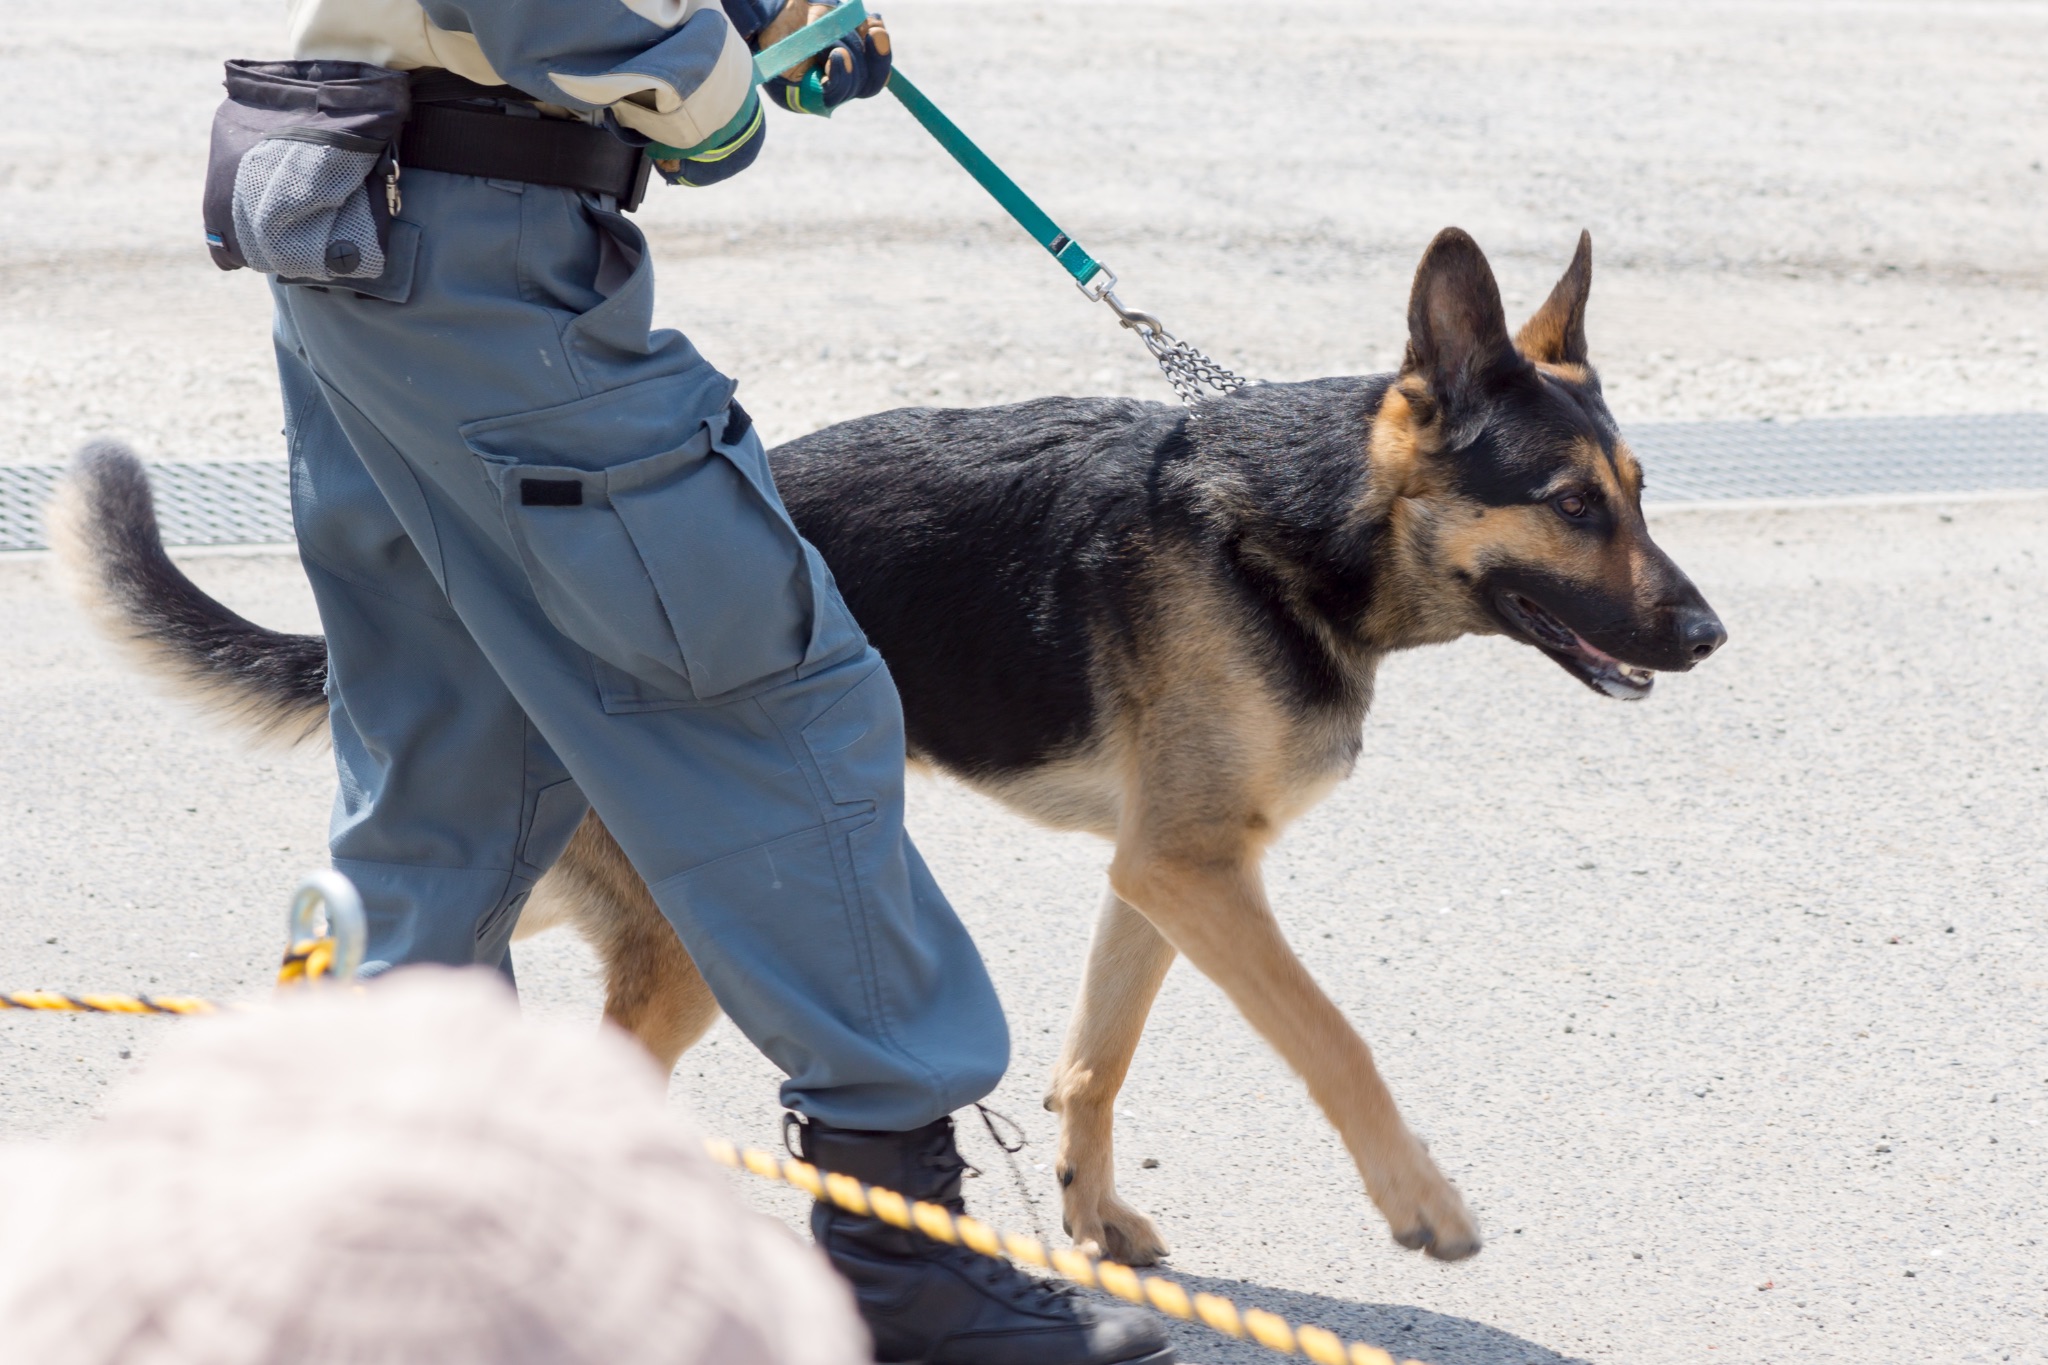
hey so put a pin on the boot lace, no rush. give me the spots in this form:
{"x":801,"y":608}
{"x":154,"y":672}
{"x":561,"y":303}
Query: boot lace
{"x":1009,"y":1282}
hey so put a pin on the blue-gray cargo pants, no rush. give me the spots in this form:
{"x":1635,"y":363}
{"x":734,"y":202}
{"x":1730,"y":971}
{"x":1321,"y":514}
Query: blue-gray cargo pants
{"x":554,"y":573}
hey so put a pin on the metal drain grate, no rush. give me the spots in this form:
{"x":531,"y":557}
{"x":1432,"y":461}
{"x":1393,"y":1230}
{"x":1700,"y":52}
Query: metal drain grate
{"x":1841,"y":457}
{"x":248,"y":502}
{"x":241,"y":502}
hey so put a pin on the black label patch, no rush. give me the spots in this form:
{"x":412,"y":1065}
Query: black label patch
{"x":550,"y":493}
{"x":737,"y":424}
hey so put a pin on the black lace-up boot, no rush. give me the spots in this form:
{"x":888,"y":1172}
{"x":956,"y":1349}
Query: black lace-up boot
{"x":939,"y":1305}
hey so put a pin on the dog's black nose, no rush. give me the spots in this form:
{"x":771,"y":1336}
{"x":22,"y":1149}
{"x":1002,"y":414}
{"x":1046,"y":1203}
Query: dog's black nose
{"x":1701,"y":633}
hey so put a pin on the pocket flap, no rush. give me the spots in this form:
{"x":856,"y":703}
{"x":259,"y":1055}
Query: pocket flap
{"x":605,"y":429}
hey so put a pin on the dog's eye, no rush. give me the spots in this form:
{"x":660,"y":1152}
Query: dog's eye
{"x":1572,"y":505}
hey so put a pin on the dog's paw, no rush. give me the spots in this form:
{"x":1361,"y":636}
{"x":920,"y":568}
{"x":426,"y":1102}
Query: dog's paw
{"x":1117,"y":1232}
{"x":1428,"y":1214}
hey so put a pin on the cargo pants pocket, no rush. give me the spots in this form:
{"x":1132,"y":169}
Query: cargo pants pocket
{"x":674,"y":566}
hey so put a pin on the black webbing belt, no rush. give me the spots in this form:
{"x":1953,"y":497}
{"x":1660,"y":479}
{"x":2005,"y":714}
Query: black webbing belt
{"x":539,"y":151}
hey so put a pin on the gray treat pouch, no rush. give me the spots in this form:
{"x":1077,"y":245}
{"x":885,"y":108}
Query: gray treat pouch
{"x":302,"y":206}
{"x":300,"y":181}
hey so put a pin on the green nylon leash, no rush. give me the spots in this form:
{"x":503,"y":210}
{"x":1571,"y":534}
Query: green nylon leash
{"x":1005,"y":191}
{"x":808,"y":41}
{"x":1193,"y":375}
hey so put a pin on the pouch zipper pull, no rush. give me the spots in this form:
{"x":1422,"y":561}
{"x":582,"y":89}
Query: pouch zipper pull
{"x":391,"y":196}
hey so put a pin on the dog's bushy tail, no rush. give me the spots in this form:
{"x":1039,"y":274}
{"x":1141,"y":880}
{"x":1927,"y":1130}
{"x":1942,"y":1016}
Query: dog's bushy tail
{"x":102,"y":525}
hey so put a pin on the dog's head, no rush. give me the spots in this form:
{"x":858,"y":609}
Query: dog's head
{"x":1515,"y":503}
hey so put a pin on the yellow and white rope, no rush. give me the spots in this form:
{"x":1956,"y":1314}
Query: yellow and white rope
{"x":306,"y":961}
{"x":941,"y":1224}
{"x":105,"y":1004}
{"x":326,"y":933}
{"x":309,"y":959}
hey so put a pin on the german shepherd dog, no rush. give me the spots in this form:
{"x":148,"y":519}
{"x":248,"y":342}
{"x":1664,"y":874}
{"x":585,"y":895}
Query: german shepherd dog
{"x":1155,"y":623}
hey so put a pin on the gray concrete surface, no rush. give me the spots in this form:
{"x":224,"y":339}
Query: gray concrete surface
{"x":1661,"y":983}
{"x":1789,"y":908}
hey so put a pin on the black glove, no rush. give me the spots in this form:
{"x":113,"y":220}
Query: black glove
{"x":857,"y":66}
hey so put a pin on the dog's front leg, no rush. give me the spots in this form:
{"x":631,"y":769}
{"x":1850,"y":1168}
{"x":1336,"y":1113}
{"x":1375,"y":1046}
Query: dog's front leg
{"x":1215,"y":911}
{"x":1126,"y":962}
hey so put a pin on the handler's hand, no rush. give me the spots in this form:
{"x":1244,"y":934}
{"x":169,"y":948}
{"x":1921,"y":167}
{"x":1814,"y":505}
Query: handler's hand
{"x":855,"y":67}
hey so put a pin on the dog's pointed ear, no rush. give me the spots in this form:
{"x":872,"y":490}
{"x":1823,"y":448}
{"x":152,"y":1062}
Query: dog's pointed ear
{"x":1457,"y":330}
{"x":1556,"y":334}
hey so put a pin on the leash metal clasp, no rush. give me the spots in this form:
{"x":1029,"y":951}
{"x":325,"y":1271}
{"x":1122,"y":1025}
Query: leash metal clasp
{"x":1102,"y":289}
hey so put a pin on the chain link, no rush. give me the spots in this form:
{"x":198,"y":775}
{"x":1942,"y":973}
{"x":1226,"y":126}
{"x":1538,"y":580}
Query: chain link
{"x":1194,"y":376}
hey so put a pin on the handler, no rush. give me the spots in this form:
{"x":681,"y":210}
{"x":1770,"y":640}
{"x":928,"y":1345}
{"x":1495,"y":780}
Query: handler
{"x":554,"y":573}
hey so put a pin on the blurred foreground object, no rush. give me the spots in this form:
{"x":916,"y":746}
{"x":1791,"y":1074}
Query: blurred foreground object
{"x":414,"y":1174}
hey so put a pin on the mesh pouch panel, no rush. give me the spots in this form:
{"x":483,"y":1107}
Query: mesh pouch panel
{"x":302,"y":211}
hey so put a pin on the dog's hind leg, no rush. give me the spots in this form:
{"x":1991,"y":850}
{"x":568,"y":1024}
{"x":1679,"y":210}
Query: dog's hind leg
{"x":1213,"y":908}
{"x":1126,"y":962}
{"x":653,"y":989}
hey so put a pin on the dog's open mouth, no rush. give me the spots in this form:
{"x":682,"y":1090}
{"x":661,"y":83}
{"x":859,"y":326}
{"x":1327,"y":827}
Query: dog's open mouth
{"x":1593,"y":666}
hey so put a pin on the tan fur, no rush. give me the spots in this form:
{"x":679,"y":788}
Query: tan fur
{"x":1079,"y":792}
{"x":1436,"y":536}
{"x":1569,"y":374}
{"x":653,"y":989}
{"x":1127,"y":961}
{"x":1629,"y":470}
{"x":1556,"y":335}
{"x":1215,"y":770}
{"x":1394,"y":454}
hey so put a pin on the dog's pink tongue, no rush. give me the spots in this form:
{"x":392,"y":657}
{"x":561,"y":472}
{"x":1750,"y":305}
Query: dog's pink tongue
{"x":1593,"y":651}
{"x":1627,"y":680}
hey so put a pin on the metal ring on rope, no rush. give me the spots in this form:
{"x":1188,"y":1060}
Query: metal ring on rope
{"x":327,"y":905}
